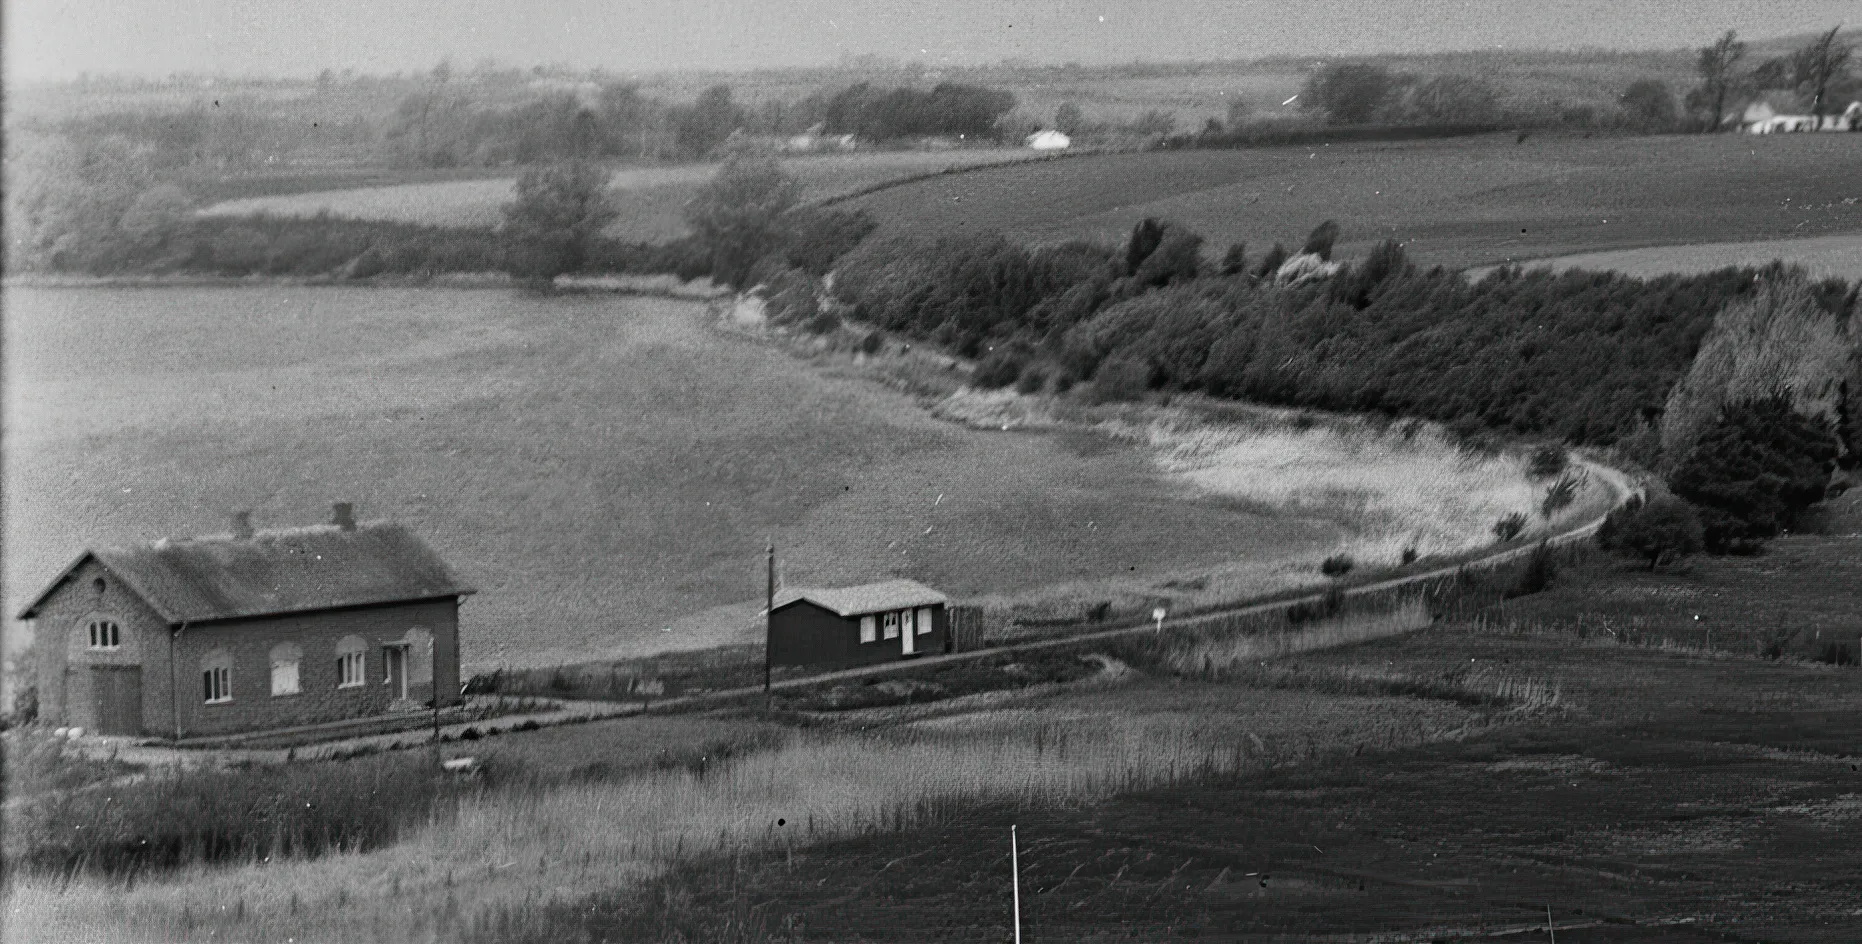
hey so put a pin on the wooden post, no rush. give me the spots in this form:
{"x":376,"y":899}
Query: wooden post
{"x":769,"y":613}
{"x":1015,"y":866}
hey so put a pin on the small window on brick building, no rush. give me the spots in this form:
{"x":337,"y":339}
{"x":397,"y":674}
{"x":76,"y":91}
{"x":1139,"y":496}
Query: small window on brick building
{"x":285,"y":659}
{"x":351,"y":665}
{"x":216,"y":677}
{"x":105,"y":634}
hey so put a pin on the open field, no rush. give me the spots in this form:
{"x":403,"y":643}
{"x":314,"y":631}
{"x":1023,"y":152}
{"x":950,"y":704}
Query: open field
{"x":1469,"y":201}
{"x":1674,"y":796}
{"x":650,"y":199}
{"x":601,"y":828}
{"x":1836,"y":257}
{"x":605,"y":470}
{"x":1365,"y":775}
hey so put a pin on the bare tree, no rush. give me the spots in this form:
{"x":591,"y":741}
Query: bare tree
{"x":1718,"y":66}
{"x":1819,"y":65}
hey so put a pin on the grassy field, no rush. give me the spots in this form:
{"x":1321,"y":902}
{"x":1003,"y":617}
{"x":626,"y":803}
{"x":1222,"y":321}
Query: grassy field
{"x":604,"y":469}
{"x":559,"y":839}
{"x":1671,"y":794}
{"x":650,"y":199}
{"x":1838,"y":257}
{"x":1373,"y":773}
{"x":1469,"y":201}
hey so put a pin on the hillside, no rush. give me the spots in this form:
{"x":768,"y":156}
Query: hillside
{"x":1467,"y":201}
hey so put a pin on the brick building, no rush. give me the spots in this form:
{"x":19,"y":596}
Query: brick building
{"x":850,"y":626}
{"x":248,"y":631}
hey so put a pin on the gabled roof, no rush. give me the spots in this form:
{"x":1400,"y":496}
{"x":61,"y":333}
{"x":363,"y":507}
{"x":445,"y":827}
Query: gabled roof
{"x":273,"y":572}
{"x":867,"y":598}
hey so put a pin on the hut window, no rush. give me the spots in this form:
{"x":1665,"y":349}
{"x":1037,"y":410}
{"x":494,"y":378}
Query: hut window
{"x":216,"y":677}
{"x":868,"y":631}
{"x":892,"y":625}
{"x":285,"y":659}
{"x":924,"y":620}
{"x":106,"y":634}
{"x":351,"y":667}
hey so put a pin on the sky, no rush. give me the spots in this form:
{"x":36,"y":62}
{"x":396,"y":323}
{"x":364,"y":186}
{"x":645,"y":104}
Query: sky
{"x":58,"y":39}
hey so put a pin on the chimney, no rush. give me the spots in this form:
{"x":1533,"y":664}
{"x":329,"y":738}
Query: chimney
{"x":344,"y":516}
{"x":242,"y":525}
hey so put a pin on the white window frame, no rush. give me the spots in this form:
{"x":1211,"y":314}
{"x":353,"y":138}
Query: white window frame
{"x":106,"y":635}
{"x":288,"y":656}
{"x":351,"y":669}
{"x":925,"y":618}
{"x":891,"y":625}
{"x":869,"y":629}
{"x":217,"y":678}
{"x":352,"y":662}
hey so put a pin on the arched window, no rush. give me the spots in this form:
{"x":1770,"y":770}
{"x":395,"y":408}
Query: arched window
{"x":351,"y":662}
{"x":285,"y":659}
{"x":105,"y":634}
{"x":216,"y":677}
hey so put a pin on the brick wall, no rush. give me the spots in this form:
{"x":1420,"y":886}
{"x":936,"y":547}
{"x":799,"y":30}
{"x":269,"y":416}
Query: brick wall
{"x":250,"y":643}
{"x":61,"y":640}
{"x":64,"y":657}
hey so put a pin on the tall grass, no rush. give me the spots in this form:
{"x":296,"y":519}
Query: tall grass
{"x":504,"y":851}
{"x":1215,"y":653}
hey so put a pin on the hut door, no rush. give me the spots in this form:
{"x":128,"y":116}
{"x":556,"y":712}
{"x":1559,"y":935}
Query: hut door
{"x":118,"y":690}
{"x":907,"y":632}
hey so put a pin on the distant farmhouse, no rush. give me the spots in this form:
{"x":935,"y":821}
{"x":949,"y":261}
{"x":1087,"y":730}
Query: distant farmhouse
{"x":852,"y":626}
{"x":1048,"y":140}
{"x":248,"y":631}
{"x":1767,"y":116}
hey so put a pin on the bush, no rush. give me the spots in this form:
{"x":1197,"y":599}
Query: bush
{"x":1409,"y":555}
{"x":1774,"y":644}
{"x":1350,"y":93}
{"x":1547,"y":461}
{"x":1837,"y":653}
{"x":739,"y":215}
{"x":558,"y":211}
{"x":1311,"y":611}
{"x":1321,"y":240}
{"x":1000,"y":369}
{"x":1121,"y":378}
{"x":1540,"y":572}
{"x":1755,"y":472}
{"x":1661,"y":530}
{"x":1509,"y":527}
{"x":1031,"y":381}
{"x":1338,"y":565}
{"x":1559,"y":496}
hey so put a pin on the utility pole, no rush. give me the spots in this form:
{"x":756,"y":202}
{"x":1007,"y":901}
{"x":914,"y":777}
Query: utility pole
{"x":433,"y":677}
{"x":1015,"y":866}
{"x":769,"y":613}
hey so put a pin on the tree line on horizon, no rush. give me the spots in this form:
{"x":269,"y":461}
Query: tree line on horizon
{"x":1818,"y":74}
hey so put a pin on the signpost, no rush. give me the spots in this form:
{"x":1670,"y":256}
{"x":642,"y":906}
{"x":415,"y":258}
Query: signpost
{"x":1158,"y":615}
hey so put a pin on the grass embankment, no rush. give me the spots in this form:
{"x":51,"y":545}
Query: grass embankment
{"x":507,"y":849}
